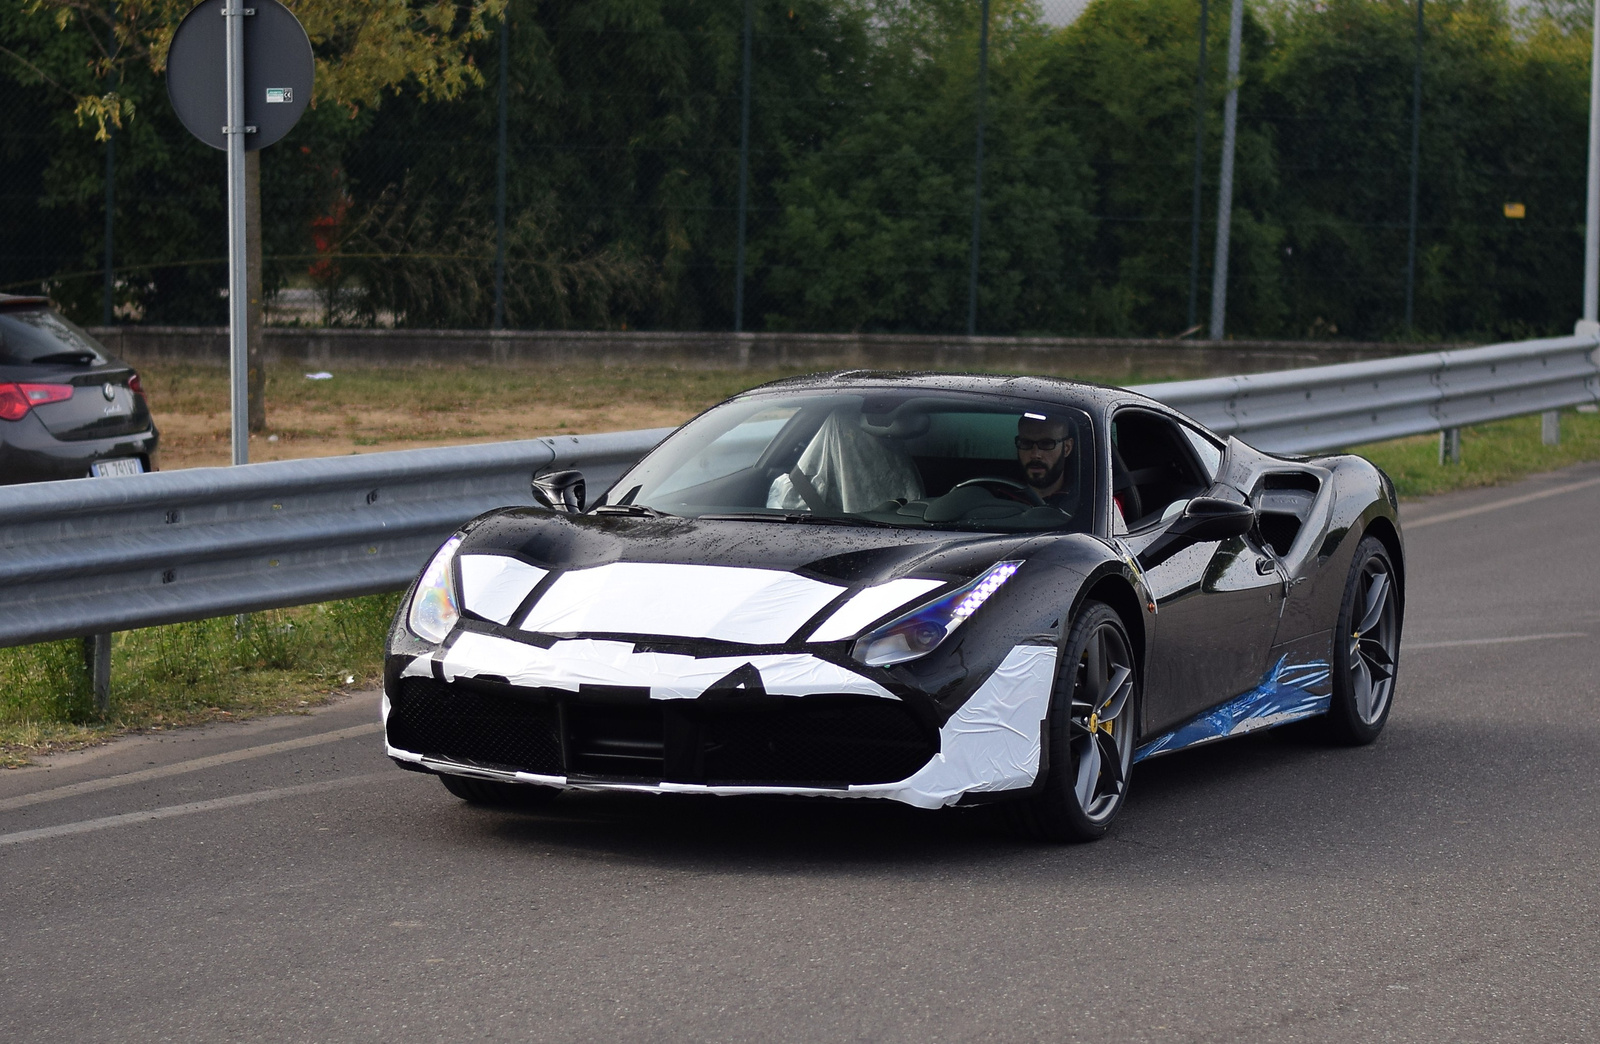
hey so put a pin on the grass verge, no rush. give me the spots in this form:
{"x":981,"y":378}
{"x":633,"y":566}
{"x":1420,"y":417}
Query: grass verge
{"x":1491,"y":454}
{"x":284,"y":660}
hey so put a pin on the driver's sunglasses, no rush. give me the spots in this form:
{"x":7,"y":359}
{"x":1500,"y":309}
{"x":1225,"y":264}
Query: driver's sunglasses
{"x":1044,"y":444}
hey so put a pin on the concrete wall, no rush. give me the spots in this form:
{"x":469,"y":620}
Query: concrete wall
{"x":324,"y":348}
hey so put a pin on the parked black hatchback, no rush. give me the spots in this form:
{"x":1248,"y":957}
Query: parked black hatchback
{"x":67,"y":408}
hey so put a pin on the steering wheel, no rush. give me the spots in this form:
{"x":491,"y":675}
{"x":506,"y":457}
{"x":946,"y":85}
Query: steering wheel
{"x":1009,"y":489}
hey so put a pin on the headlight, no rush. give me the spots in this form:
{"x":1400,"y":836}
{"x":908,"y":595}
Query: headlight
{"x":920,"y":631}
{"x":434,"y":609}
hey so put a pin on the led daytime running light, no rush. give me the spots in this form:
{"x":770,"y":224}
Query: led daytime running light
{"x":919,"y":632}
{"x":988,"y":585}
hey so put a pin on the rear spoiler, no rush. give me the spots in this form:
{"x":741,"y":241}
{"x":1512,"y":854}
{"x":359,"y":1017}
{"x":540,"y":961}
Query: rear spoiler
{"x":19,"y":301}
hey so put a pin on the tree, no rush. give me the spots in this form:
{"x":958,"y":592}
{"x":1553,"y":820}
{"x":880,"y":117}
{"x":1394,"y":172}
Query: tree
{"x":624,"y":152}
{"x":873,"y":222}
{"x":1122,"y":76}
{"x":624,"y":157}
{"x":1503,"y":121}
{"x":365,"y":50}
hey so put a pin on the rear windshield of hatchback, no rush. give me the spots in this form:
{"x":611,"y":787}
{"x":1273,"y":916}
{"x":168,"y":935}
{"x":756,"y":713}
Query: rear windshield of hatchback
{"x":38,"y":335}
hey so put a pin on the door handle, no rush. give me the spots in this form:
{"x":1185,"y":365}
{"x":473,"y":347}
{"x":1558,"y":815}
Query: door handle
{"x":1265,"y":566}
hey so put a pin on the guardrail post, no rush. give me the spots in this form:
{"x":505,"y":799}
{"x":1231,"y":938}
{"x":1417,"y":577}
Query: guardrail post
{"x":1550,"y":427}
{"x":1450,"y":446}
{"x":97,"y":651}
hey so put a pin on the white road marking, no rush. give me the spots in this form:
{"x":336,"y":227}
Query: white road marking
{"x":216,"y":804}
{"x":1451,"y":516}
{"x":1492,"y":641}
{"x":89,"y":786}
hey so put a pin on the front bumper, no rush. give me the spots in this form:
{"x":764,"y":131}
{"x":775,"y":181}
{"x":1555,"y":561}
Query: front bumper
{"x":775,"y":724}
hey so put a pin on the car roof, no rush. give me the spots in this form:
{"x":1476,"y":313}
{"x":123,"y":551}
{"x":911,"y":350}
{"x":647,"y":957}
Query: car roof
{"x":1082,"y":394}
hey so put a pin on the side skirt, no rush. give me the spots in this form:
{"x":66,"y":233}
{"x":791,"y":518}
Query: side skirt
{"x":1284,"y":695}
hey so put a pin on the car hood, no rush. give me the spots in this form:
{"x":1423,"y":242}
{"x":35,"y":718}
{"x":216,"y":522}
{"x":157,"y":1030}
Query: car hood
{"x":751,"y":583}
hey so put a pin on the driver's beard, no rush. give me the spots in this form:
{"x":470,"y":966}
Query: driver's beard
{"x":1049,"y":478}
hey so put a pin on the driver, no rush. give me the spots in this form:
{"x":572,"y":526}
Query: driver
{"x":1043,"y":448}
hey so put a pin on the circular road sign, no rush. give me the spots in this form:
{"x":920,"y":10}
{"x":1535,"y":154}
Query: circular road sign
{"x":277,"y":72}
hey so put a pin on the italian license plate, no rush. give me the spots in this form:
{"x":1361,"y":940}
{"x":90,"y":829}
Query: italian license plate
{"x":118,"y":466}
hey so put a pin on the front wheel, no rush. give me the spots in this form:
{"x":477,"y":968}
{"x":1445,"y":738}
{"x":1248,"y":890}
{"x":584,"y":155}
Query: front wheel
{"x":1366,"y":647}
{"x":1089,"y":734}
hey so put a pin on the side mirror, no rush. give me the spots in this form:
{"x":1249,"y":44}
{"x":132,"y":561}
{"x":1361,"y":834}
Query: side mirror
{"x":1207,"y":518}
{"x":560,"y":491}
{"x":1204,"y":519}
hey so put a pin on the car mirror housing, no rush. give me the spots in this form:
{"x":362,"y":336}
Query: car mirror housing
{"x":1208,"y":518}
{"x":1203,"y":519}
{"x":560,"y":491}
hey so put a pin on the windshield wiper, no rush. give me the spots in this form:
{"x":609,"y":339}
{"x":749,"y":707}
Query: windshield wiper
{"x":635,"y":510}
{"x":798,"y":518}
{"x":843,"y":520}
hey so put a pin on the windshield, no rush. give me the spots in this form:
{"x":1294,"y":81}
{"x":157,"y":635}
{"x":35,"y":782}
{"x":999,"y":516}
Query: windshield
{"x":901,"y":458}
{"x":38,"y":335}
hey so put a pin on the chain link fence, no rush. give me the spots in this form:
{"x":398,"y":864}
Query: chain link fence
{"x":942,"y":166}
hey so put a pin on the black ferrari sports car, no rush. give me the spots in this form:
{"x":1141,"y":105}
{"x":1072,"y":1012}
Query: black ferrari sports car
{"x":929,"y":588}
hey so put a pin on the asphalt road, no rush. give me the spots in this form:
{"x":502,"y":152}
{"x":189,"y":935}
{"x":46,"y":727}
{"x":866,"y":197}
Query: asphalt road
{"x":1439,"y":885}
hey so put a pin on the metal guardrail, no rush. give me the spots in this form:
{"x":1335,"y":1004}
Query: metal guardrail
{"x":1330,"y":407}
{"x":92,"y":556}
{"x":110,"y":554}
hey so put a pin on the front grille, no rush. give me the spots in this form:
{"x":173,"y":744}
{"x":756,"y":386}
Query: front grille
{"x":622,"y":734}
{"x":475,"y":728}
{"x":860,"y":739}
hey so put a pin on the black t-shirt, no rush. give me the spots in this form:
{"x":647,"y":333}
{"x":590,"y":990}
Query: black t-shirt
{"x":1065,"y":499}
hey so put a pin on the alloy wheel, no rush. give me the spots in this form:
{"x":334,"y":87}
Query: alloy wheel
{"x":1100,"y":738}
{"x":1373,"y":636}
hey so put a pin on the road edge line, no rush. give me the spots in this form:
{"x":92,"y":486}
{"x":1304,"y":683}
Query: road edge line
{"x":178,"y":768}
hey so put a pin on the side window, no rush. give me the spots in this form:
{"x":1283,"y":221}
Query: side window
{"x":1208,"y":452}
{"x":1153,"y":467}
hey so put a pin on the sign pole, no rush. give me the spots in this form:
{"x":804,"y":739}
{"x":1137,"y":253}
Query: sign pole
{"x":238,"y":297}
{"x":216,"y":102}
{"x":1230,"y":123}
{"x":1591,"y":234}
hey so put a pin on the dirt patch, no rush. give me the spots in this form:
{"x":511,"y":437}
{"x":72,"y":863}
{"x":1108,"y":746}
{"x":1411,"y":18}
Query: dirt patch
{"x":373,"y":409}
{"x":193,"y":440}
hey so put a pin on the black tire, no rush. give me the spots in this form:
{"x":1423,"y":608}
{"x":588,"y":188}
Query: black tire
{"x":493,"y":792}
{"x":1366,"y":648}
{"x":1097,"y":644}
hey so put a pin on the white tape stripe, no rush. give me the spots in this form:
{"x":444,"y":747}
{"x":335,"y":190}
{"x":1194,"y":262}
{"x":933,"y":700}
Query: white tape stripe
{"x":1451,"y":516}
{"x":868,"y":605}
{"x":89,"y":786}
{"x":214,"y":805}
{"x":1492,"y":641}
{"x":493,"y":586}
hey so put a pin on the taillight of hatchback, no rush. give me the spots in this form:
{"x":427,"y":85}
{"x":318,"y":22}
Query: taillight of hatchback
{"x":17,"y":399}
{"x":134,"y":385}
